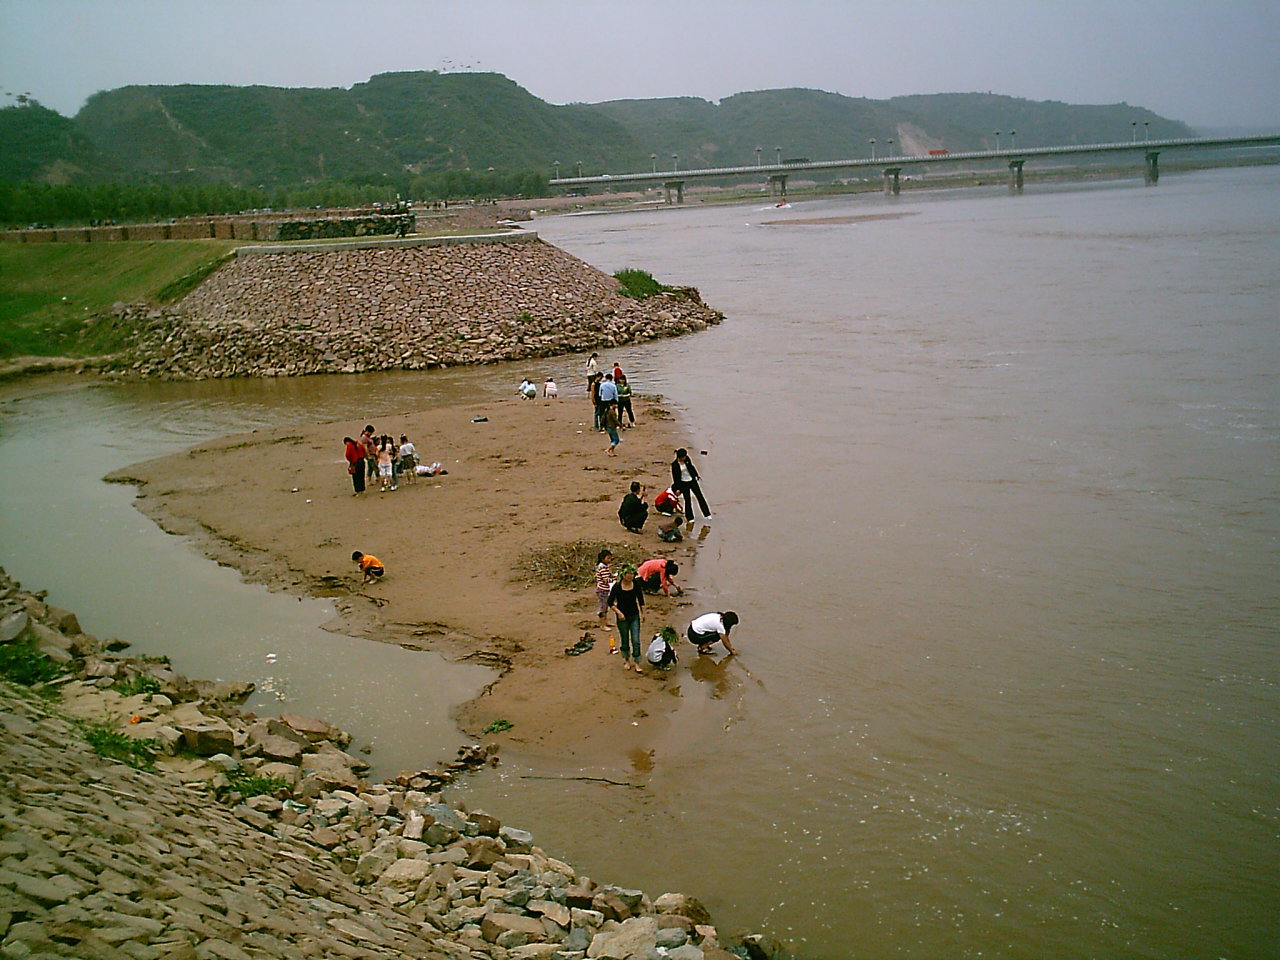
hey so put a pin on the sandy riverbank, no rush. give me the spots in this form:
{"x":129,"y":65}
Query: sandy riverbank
{"x":279,"y":507}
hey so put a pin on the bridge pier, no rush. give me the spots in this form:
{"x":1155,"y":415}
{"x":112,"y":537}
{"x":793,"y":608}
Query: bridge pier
{"x":678,"y":185}
{"x":778,"y":184}
{"x":892,"y":181}
{"x":1015,"y":175}
{"x":1151,"y":173}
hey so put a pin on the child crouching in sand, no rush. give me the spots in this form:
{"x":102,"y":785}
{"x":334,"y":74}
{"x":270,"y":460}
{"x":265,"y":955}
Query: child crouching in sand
{"x":370,"y":566}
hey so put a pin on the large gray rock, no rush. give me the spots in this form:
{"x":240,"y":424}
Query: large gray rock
{"x":495,"y":926}
{"x":682,"y":905}
{"x":329,"y":772}
{"x":208,"y":736}
{"x":634,"y":939}
{"x":406,"y":873}
{"x":12,"y":624}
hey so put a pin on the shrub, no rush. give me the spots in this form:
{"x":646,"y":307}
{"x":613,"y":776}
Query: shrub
{"x":637,"y":284}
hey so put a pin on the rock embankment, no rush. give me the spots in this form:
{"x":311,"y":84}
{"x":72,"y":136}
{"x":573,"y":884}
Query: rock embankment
{"x":302,"y":858}
{"x":414,"y":308}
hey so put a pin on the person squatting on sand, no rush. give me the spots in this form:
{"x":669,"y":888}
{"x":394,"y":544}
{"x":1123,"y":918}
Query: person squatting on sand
{"x":684,"y":479}
{"x":662,"y":649}
{"x":660,"y":573}
{"x":633,"y":511}
{"x":355,"y":464}
{"x":626,"y":600}
{"x":667,"y":503}
{"x":369,"y":565}
{"x":710,"y":627}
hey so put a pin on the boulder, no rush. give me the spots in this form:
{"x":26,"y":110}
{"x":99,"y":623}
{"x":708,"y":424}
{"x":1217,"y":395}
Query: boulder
{"x":12,"y":625}
{"x":328,"y":772}
{"x":208,"y":736}
{"x":406,"y":873}
{"x":634,"y":939}
{"x":683,"y":905}
{"x":495,"y":925}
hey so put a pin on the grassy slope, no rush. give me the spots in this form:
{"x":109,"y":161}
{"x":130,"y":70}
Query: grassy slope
{"x":36,"y":320}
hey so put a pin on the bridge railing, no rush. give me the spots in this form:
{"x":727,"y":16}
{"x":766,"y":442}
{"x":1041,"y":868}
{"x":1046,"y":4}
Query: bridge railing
{"x":880,"y":162}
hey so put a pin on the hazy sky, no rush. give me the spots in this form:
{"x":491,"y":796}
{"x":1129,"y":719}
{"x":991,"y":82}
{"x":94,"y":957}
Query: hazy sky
{"x":1206,"y":62}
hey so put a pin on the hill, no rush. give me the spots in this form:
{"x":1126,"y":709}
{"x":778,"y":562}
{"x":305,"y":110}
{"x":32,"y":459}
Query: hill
{"x":396,"y":127}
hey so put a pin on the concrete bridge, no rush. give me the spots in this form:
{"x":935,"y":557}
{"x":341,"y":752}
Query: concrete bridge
{"x":891,"y":167}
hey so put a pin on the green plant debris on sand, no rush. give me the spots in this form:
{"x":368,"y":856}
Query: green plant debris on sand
{"x":114,"y":745}
{"x":499,"y":726}
{"x":569,"y":566}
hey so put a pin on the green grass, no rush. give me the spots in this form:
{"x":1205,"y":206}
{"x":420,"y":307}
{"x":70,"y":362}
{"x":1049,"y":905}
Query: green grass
{"x":22,"y":663}
{"x":136,"y":685}
{"x":246,"y":785}
{"x":114,"y":745}
{"x":637,"y":284}
{"x":52,"y":294}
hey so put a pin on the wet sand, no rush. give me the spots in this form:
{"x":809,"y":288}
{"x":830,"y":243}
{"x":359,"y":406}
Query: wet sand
{"x":280,"y":509}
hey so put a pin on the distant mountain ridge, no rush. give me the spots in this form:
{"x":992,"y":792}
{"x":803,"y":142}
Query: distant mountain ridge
{"x":399,"y":125}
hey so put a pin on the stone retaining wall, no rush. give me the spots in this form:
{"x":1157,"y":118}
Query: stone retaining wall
{"x":415,"y":308}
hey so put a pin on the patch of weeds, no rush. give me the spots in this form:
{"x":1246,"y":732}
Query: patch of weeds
{"x":152,"y":658}
{"x":499,"y":726}
{"x":136,"y":685}
{"x":114,"y":745}
{"x":637,"y":284}
{"x":246,"y":785}
{"x":569,"y":566}
{"x":23,"y":664}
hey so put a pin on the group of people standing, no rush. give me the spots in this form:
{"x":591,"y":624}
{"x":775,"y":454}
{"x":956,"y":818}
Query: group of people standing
{"x":383,"y":458}
{"x":610,"y":401}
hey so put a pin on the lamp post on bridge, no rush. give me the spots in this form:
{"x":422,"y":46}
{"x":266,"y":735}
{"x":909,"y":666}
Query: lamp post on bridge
{"x":555,"y":168}
{"x":758,"y":161}
{"x":1013,"y":139}
{"x":653,"y":157}
{"x":1134,"y":124}
{"x":997,"y":141}
{"x":778,"y":151}
{"x":675,"y":162}
{"x":1146,"y":131}
{"x":889,"y":147}
{"x":872,"y":141}
{"x":579,"y":168}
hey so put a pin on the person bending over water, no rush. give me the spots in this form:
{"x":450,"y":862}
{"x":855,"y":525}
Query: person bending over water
{"x":710,"y":627}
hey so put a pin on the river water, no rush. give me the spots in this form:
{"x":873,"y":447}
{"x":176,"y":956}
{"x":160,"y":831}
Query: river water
{"x":995,"y":485}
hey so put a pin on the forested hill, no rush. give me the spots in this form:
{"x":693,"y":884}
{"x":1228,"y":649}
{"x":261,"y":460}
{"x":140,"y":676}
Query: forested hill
{"x":398,"y":126}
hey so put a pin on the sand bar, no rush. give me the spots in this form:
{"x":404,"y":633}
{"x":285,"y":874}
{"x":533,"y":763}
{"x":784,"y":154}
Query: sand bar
{"x":279,"y":507}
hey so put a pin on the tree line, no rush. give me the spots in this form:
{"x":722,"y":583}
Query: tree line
{"x":24,"y":203}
